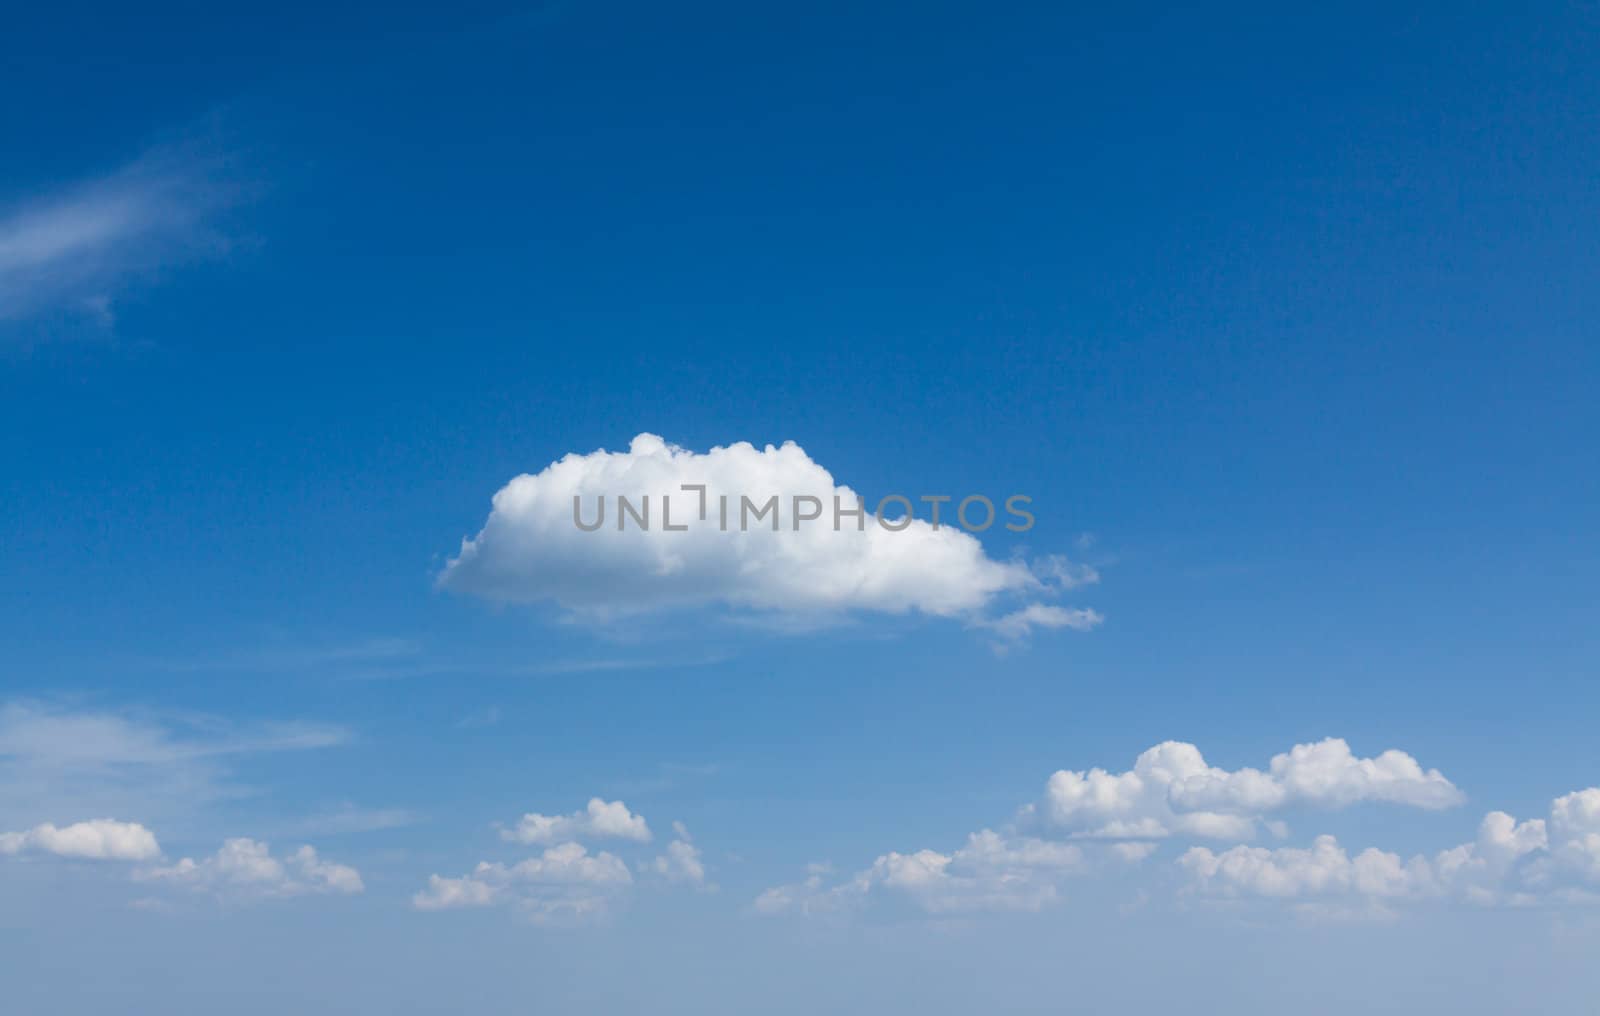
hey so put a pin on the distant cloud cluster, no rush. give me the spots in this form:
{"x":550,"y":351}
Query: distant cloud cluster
{"x":991,"y":872}
{"x":567,"y":882}
{"x":1554,"y":860}
{"x":244,"y":868}
{"x":1094,"y":820}
{"x":60,"y":760}
{"x":105,"y":762}
{"x":531,"y":550}
{"x":587,"y":863}
{"x":682,"y":861}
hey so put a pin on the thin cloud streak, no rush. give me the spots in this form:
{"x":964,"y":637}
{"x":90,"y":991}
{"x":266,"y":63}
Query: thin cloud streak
{"x":57,"y":762}
{"x":75,"y":249}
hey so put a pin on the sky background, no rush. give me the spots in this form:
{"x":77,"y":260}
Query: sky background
{"x":1284,"y":319}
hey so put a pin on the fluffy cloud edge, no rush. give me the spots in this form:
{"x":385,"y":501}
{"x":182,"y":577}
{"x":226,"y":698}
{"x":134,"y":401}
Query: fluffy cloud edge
{"x":1095,"y":820}
{"x":598,"y":820}
{"x":1173,"y":791}
{"x":100,"y":839}
{"x":533,"y":547}
{"x":567,"y":883}
{"x":1554,"y":860}
{"x":245,"y":868}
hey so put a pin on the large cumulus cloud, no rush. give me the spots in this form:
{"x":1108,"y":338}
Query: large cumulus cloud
{"x":531,"y":549}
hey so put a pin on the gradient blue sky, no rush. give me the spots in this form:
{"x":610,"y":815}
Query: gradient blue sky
{"x":1286,"y":320}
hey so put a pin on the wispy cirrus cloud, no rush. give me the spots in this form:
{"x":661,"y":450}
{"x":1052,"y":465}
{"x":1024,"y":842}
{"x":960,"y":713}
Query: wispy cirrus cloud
{"x":349,"y":819}
{"x":74,"y":248}
{"x":56,"y":760}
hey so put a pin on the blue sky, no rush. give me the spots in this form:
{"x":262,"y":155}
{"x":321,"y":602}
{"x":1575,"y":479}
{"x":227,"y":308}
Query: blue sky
{"x":1285,"y":322}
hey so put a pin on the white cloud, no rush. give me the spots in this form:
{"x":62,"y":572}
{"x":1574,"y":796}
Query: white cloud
{"x":1132,"y":851}
{"x":1171,"y":790}
{"x":1510,"y":863}
{"x":531,"y":550}
{"x":567,"y":864}
{"x":564,"y":882}
{"x":450,"y":893}
{"x":682,"y":861}
{"x":1324,"y":869}
{"x":990,"y":873}
{"x":600,"y":820}
{"x":1327,"y":774}
{"x":1537,"y":862}
{"x":1575,"y":836}
{"x":100,"y":839}
{"x":75,"y":249}
{"x":1020,"y":624}
{"x":245,"y":868}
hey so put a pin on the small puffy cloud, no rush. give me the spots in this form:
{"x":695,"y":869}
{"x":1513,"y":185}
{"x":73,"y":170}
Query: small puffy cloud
{"x":101,"y":839}
{"x":1172,"y":790}
{"x":324,"y":876}
{"x":245,"y":868}
{"x":564,"y":882}
{"x":600,"y":820}
{"x":682,"y":861}
{"x":450,"y":893}
{"x":792,"y":562}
